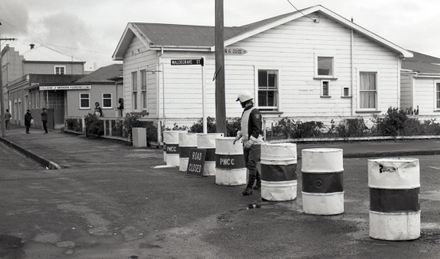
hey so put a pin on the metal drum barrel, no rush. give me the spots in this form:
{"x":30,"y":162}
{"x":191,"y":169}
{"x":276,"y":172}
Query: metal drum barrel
{"x":278,"y":172}
{"x":207,"y":141}
{"x":322,"y":181}
{"x":230,"y":166}
{"x":187,"y":141}
{"x":394,"y":198}
{"x":171,"y":138}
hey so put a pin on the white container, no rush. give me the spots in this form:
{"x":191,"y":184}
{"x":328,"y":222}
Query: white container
{"x":230,"y":165}
{"x":187,"y":141}
{"x":207,"y":141}
{"x":322,"y":181}
{"x":171,"y":138}
{"x":278,"y":172}
{"x":394,"y":203}
{"x":139,"y":137}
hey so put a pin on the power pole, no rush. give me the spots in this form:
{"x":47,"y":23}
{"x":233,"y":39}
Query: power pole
{"x":2,"y":106}
{"x":220,"y":107}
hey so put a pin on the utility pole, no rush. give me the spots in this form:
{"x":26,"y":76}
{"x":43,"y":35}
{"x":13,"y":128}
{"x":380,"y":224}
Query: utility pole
{"x":220,"y":107}
{"x":2,"y":106}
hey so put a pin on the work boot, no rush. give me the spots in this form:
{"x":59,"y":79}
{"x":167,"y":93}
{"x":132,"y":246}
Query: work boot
{"x":257,"y":183}
{"x":248,"y":190}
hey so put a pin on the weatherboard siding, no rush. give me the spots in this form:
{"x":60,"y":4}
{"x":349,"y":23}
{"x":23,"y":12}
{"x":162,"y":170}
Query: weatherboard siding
{"x":425,"y":96}
{"x":49,"y":68}
{"x":137,"y":58}
{"x":291,"y":49}
{"x":406,"y":90}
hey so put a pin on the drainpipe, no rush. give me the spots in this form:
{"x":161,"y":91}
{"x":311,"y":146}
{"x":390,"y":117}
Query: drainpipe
{"x":351,"y":70}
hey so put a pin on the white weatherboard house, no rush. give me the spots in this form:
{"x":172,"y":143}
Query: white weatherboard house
{"x":313,"y":64}
{"x":420,"y":88}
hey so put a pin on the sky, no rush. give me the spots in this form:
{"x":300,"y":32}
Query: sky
{"x":90,"y":29}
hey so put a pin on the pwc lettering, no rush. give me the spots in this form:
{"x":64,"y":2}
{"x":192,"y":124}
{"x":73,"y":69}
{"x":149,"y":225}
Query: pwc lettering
{"x":172,"y":149}
{"x":227,"y":161}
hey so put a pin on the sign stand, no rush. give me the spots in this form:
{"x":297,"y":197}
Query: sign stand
{"x":201,"y":62}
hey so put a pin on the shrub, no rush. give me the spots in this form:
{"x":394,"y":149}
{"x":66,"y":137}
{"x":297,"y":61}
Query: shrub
{"x":309,"y":129}
{"x":393,"y":123}
{"x":351,"y":128}
{"x":232,"y":126}
{"x":74,"y":125}
{"x":131,"y":121}
{"x":94,"y":126}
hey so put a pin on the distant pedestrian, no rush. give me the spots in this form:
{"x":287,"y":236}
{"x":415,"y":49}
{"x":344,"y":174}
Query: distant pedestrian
{"x":27,"y":120}
{"x":44,"y":120}
{"x":8,"y":117}
{"x":98,"y":110}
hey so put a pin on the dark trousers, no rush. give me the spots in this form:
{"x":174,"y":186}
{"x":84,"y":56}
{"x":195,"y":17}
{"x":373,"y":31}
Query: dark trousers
{"x":45,"y":126}
{"x":27,"y":127}
{"x":252,"y":158}
{"x":6,"y":124}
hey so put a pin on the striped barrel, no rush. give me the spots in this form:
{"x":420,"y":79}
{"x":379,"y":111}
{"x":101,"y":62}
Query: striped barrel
{"x":207,"y":141}
{"x":229,"y":162}
{"x":394,"y":198}
{"x":278,"y":172}
{"x":322,"y":181}
{"x":187,"y":141}
{"x":171,"y":138}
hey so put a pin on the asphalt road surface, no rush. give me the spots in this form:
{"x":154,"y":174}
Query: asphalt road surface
{"x":129,"y":210}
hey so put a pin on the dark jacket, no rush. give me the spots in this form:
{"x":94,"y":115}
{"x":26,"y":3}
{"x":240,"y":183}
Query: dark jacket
{"x":255,"y":124}
{"x":44,"y":116}
{"x":27,"y":118}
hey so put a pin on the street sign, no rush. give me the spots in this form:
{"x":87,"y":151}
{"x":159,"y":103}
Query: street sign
{"x":235,"y":51}
{"x":186,"y":62}
{"x":196,"y":161}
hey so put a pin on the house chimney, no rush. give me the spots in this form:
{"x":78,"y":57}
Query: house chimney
{"x":32,"y":45}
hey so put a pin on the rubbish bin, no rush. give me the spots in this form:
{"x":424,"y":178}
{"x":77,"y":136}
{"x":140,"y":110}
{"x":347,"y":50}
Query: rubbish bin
{"x":230,"y":165}
{"x":394,"y":198}
{"x":139,"y":137}
{"x":322,"y":181}
{"x":278,"y":172}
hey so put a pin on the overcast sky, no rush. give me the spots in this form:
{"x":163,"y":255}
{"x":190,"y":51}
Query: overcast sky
{"x":90,"y":29}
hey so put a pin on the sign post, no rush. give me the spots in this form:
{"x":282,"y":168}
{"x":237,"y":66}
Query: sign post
{"x":201,"y":62}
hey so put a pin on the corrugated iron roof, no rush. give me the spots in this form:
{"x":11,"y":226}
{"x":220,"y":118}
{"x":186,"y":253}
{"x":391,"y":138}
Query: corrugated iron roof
{"x":191,"y":36}
{"x":42,"y":53}
{"x":103,"y":74}
{"x":422,"y":63}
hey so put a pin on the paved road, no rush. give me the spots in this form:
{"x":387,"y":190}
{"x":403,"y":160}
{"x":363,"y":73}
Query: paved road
{"x":11,"y":159}
{"x":109,"y":206}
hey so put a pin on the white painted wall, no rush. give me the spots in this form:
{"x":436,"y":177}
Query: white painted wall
{"x":406,"y":90}
{"x":291,"y":49}
{"x":137,"y":58}
{"x":425,"y":96}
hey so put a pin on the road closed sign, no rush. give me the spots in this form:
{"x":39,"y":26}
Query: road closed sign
{"x":196,"y":161}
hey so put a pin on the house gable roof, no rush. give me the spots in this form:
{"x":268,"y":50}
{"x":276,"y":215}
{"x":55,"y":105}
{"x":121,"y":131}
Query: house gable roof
{"x":45,"y":54}
{"x":103,"y":75}
{"x":202,"y":37}
{"x":422,"y":63}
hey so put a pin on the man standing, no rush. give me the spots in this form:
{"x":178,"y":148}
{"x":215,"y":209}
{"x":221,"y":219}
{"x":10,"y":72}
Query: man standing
{"x":251,"y":133}
{"x":27,"y":120}
{"x":8,"y":117}
{"x":44,"y":120}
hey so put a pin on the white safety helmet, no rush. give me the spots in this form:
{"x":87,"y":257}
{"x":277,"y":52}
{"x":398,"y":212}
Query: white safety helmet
{"x":244,"y":96}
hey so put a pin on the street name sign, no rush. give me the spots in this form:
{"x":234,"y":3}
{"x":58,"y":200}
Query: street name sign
{"x":186,"y":62}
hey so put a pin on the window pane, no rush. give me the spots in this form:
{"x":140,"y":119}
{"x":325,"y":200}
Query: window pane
{"x":144,"y":99}
{"x":107,"y":103}
{"x":134,"y":80}
{"x":262,"y":78}
{"x":272,"y":80}
{"x":262,"y":98}
{"x":325,"y":88}
{"x":368,"y":100}
{"x":84,"y":96}
{"x":368,"y":81}
{"x":107,"y":95}
{"x":84,"y":103}
{"x":346,"y":91}
{"x":325,"y":66}
{"x":144,"y":79}
{"x":135,"y":100}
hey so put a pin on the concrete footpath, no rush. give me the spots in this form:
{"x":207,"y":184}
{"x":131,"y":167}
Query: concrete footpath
{"x":68,"y":150}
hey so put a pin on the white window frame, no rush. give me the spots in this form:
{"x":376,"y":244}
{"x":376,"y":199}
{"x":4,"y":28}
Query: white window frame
{"x":325,"y":55}
{"x":55,"y":70}
{"x":256,"y":94}
{"x":111,"y":101}
{"x":79,"y":97}
{"x":359,"y":90}
{"x":135,"y":90}
{"x":436,"y":107}
{"x":322,"y":89}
